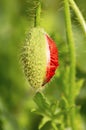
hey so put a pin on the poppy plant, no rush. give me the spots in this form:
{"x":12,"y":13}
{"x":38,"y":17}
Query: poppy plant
{"x":39,"y":57}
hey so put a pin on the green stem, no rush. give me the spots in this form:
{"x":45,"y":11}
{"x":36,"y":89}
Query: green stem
{"x":37,"y":15}
{"x":79,"y":15}
{"x":72,"y":63}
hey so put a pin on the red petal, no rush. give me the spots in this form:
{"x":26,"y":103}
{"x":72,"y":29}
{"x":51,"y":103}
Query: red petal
{"x":53,"y":62}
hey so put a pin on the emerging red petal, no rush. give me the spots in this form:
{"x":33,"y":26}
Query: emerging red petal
{"x":52,"y":61}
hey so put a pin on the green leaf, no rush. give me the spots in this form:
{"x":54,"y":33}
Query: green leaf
{"x":54,"y":126}
{"x":54,"y":107}
{"x":79,"y":84}
{"x":47,"y":126}
{"x":44,"y":121}
{"x":38,"y":112}
{"x":64,"y":103}
{"x":55,"y":110}
{"x":41,"y":101}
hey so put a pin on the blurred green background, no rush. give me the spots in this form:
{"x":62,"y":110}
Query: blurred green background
{"x":16,"y":97}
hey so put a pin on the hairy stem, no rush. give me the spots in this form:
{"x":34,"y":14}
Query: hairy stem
{"x":37,"y":15}
{"x":79,"y":15}
{"x":72,"y":64}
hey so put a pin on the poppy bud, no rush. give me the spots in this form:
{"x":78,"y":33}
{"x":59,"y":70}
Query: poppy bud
{"x":39,"y":57}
